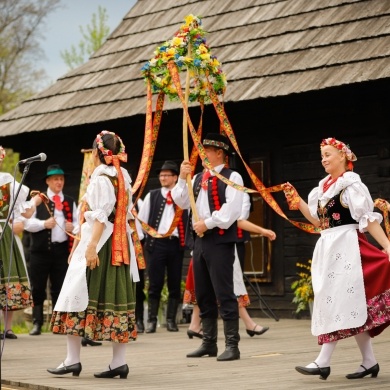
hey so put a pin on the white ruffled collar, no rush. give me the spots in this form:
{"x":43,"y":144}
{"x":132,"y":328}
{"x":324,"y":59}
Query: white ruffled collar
{"x":340,"y":184}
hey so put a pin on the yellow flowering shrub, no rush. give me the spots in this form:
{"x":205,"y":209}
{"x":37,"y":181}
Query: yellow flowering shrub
{"x":303,"y":289}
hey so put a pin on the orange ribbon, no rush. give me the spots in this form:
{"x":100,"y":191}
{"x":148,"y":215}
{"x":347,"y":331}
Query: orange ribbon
{"x":120,"y":247}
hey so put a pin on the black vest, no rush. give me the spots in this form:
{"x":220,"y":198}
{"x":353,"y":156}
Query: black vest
{"x":157,"y":205}
{"x":42,"y":240}
{"x":335,"y":213}
{"x":230,"y":234}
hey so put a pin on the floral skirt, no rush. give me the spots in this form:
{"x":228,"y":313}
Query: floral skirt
{"x":110,"y":315}
{"x":15,"y":291}
{"x":376,"y":273}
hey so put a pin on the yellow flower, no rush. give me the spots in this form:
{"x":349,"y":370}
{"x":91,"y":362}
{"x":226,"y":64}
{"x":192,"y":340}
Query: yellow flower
{"x":303,"y":289}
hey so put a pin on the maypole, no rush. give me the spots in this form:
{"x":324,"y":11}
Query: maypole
{"x":205,"y":82}
{"x":187,"y":52}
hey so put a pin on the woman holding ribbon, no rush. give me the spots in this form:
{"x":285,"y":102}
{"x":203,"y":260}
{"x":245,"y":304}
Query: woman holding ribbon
{"x":97,"y":299}
{"x":351,"y":277}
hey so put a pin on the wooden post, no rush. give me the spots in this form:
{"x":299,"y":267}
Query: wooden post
{"x":185,"y":141}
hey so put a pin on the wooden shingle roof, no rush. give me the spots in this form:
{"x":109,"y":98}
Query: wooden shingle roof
{"x":267,"y":48}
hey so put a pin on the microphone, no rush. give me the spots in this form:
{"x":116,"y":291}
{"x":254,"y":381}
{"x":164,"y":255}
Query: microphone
{"x":39,"y":157}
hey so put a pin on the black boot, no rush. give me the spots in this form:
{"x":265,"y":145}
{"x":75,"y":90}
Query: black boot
{"x":153,"y":305}
{"x":232,"y":337}
{"x":209,"y":341}
{"x":139,"y":317}
{"x":139,"y":303}
{"x":173,"y":304}
{"x":37,"y":314}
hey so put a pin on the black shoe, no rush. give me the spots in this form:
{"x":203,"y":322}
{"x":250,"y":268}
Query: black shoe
{"x":172,"y":326}
{"x":232,"y":353}
{"x":140,"y":326}
{"x":258,"y":333}
{"x":357,"y":375}
{"x":9,"y":334}
{"x":323,"y":372}
{"x":85,"y":342}
{"x":204,"y":350}
{"x":36,"y":330}
{"x":152,"y":327}
{"x":191,"y":334}
{"x":75,"y":369}
{"x":122,"y":371}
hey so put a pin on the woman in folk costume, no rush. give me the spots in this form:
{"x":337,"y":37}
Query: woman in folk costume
{"x":351,"y":277}
{"x":15,"y":292}
{"x":97,"y":299}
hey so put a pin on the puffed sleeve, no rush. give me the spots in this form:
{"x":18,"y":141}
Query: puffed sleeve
{"x":361,"y":205}
{"x":312,"y":202}
{"x":100,"y":196}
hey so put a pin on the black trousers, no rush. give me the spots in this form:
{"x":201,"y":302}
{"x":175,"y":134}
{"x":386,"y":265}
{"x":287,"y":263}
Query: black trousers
{"x":213,"y":274}
{"x":166,"y":258}
{"x":48,"y":265}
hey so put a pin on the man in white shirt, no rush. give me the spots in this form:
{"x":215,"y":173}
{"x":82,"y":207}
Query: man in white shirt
{"x":51,"y":243}
{"x":215,"y":234}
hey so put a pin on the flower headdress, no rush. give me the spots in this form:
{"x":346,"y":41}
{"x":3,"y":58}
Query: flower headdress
{"x":2,"y":153}
{"x":108,"y":156}
{"x":198,"y":61}
{"x":120,"y":252}
{"x":342,"y":147}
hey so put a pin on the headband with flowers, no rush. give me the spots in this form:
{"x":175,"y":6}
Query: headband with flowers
{"x":342,"y":147}
{"x":108,"y":153}
{"x":2,"y":153}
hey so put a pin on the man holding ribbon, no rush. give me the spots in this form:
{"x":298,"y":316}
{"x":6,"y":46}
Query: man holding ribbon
{"x":164,"y":256}
{"x":52,"y":226}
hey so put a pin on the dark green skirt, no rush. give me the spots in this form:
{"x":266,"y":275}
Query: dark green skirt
{"x":15,"y":291}
{"x":110,"y":315}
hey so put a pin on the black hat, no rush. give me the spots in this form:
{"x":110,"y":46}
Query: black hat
{"x":169,"y":166}
{"x":218,"y":141}
{"x":54,"y":169}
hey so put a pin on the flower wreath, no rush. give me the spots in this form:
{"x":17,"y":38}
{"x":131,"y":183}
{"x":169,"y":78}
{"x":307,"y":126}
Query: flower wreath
{"x":108,"y":152}
{"x":341,"y":146}
{"x":199,"y":63}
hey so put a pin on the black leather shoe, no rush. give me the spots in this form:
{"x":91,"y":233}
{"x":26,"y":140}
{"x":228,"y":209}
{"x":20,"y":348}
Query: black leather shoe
{"x":75,"y":369}
{"x":232,"y":353}
{"x":85,"y":342}
{"x":140,"y":326}
{"x":122,"y":371}
{"x":204,"y":350}
{"x":191,"y":334}
{"x":357,"y":375}
{"x":9,"y":334}
{"x":323,"y":372}
{"x":172,"y":326}
{"x":258,"y":333}
{"x":152,"y":327}
{"x":36,"y":330}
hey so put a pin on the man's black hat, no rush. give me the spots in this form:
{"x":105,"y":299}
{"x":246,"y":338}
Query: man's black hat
{"x":169,"y":166}
{"x":218,"y":141}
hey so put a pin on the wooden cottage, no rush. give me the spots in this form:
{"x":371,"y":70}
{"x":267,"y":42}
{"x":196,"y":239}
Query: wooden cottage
{"x":298,"y":71}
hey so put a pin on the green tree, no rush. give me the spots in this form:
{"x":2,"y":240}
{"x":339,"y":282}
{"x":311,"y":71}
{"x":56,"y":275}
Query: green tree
{"x":20,"y":23}
{"x":93,"y":38}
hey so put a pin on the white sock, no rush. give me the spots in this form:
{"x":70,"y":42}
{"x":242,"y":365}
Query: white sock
{"x":73,"y":344}
{"x":118,"y":355}
{"x":364,"y":343}
{"x":323,"y":359}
